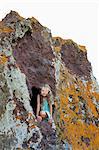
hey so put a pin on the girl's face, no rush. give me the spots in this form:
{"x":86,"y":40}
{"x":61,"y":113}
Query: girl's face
{"x":44,"y":91}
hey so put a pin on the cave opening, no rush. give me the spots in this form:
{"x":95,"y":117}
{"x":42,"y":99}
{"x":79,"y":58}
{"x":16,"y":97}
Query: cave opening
{"x":33,"y":102}
{"x":35,"y":91}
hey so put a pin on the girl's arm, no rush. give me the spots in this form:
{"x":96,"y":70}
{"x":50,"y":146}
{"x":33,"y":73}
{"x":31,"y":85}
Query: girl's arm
{"x":50,"y":109}
{"x":38,"y":105}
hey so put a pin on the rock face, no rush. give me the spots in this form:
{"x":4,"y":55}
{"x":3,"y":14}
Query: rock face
{"x":29,"y":57}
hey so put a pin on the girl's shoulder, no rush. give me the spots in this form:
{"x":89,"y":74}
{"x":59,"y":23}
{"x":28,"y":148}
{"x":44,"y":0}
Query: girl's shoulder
{"x":38,"y":95}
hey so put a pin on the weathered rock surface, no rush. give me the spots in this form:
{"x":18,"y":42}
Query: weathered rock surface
{"x":30,"y":56}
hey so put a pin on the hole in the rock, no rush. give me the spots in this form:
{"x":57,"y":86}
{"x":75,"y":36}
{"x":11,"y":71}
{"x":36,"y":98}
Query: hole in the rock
{"x":33,"y":102}
{"x":35,"y":92}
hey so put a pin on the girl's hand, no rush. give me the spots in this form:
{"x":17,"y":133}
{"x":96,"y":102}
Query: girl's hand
{"x":39,"y":118}
{"x":35,"y":120}
{"x":50,"y":121}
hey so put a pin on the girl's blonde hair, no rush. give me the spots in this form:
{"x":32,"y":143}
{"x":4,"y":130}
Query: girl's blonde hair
{"x":50,"y":95}
{"x":47,"y":86}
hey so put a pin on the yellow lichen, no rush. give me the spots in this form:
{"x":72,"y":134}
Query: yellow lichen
{"x":18,"y":117}
{"x":5,"y":29}
{"x":3,"y":59}
{"x":68,"y":41}
{"x":72,"y":124}
{"x":60,"y":40}
{"x":82,"y":47}
{"x":57,"y":49}
{"x":34,"y":20}
{"x":32,"y":127}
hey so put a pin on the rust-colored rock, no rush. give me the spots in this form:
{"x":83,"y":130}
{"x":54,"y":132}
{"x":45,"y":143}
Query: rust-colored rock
{"x":74,"y":57}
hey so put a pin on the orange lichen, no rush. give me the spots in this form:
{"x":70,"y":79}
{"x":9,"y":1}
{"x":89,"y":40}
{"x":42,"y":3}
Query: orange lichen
{"x":5,"y":29}
{"x":30,"y":121}
{"x":18,"y":117}
{"x":32,"y":127}
{"x":96,"y":95}
{"x":3,"y":59}
{"x":34,"y":20}
{"x":57,"y":49}
{"x":59,"y":39}
{"x":72,"y":124}
{"x":67,"y":41}
{"x":30,"y":114}
{"x":82,"y":47}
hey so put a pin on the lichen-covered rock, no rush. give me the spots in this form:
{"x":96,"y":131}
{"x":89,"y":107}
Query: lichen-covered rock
{"x":30,"y":56}
{"x":78,"y":92}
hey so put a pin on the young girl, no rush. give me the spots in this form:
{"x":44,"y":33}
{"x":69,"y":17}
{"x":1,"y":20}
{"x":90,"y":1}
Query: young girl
{"x":44,"y":104}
